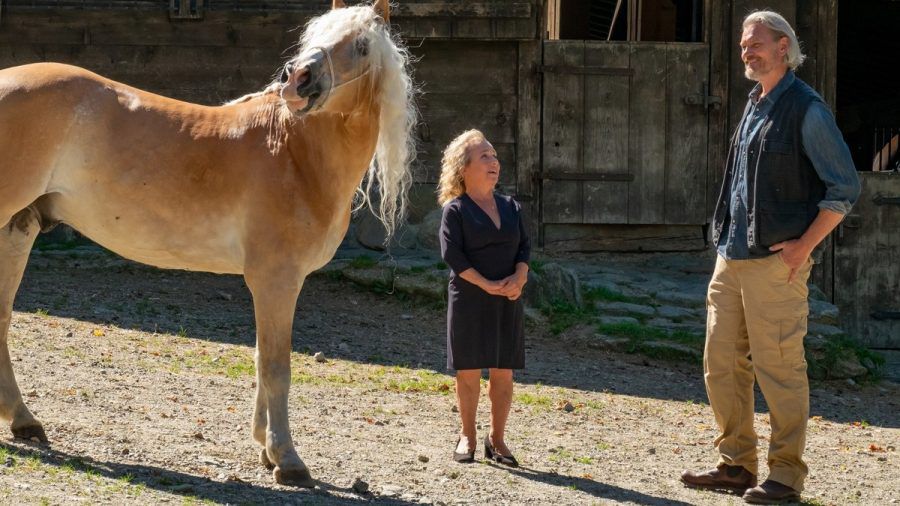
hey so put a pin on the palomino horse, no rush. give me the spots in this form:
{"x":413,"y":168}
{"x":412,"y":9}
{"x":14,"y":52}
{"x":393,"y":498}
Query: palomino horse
{"x":261,"y":186}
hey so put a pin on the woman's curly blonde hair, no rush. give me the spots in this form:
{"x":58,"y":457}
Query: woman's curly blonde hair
{"x":456,"y":156}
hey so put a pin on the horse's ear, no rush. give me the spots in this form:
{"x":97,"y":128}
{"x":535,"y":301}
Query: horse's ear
{"x":337,"y":4}
{"x":383,"y":9}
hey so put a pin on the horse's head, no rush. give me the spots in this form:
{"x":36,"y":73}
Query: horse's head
{"x":338,"y":50}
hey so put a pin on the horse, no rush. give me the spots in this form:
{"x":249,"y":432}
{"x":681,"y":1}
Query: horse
{"x":262,"y":186}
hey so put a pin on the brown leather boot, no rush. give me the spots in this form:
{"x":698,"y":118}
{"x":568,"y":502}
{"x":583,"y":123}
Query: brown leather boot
{"x":771,"y":492}
{"x":723,"y":477}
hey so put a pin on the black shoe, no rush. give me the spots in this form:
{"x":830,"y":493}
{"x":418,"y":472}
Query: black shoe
{"x":771,"y":492}
{"x":491,"y":453}
{"x":465,"y":457}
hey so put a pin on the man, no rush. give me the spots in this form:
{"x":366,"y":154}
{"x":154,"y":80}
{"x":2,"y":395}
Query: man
{"x":789,"y":180}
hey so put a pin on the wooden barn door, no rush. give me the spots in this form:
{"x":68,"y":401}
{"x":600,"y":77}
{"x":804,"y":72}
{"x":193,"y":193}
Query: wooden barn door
{"x":625,"y":132}
{"x":867,"y":263}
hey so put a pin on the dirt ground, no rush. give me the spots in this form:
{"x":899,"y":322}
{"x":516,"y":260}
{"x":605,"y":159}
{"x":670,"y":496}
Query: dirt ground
{"x":144,"y":381}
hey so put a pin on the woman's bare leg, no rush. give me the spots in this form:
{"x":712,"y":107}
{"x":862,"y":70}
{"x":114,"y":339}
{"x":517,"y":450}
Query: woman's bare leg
{"x":468,"y":389}
{"x":500,"y":391}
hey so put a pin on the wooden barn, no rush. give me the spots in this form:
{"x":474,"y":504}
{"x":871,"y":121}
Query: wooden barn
{"x":611,"y":117}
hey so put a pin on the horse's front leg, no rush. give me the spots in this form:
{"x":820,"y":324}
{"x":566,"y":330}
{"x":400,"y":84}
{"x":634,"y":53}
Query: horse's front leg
{"x":274,"y":301}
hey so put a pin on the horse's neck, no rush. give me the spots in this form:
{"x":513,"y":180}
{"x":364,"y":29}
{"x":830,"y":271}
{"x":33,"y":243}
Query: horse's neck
{"x":334,"y":150}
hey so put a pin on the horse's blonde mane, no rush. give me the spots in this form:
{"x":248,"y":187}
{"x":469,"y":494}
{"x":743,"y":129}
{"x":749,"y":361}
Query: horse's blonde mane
{"x":389,"y":75}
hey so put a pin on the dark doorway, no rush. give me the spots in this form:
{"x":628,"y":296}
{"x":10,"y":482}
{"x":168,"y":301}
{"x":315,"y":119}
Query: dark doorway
{"x":628,"y":20}
{"x":868,"y":79}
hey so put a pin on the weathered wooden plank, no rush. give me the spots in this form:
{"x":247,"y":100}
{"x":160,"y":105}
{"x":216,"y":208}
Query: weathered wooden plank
{"x":572,"y":238}
{"x":866,"y":256}
{"x":449,"y":67}
{"x":443,"y":115}
{"x":563,"y":132}
{"x":473,"y":28}
{"x":220,"y":29}
{"x":433,"y":28}
{"x":686,"y":134}
{"x":464,"y":9}
{"x":519,"y":28}
{"x":718,"y":28}
{"x":606,"y":99}
{"x":528,"y":129}
{"x":646,"y":134}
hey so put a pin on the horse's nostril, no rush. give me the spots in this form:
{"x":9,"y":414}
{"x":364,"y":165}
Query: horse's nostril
{"x":284,"y":75}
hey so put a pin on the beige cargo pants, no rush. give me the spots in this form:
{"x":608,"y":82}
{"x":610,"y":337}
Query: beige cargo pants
{"x":755,"y":326}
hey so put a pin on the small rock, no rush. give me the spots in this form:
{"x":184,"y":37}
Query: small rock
{"x":34,"y":439}
{"x":454,"y":409}
{"x":882,"y":459}
{"x":344,"y":348}
{"x":851,"y":382}
{"x":453,"y":475}
{"x":423,"y":458}
{"x":672,"y":312}
{"x":9,"y":462}
{"x":359,"y":486}
{"x":184,"y":487}
{"x":652,"y":451}
{"x":224,"y":295}
{"x":69,"y":334}
{"x":319,"y":357}
{"x":197,"y":435}
{"x":406,"y":317}
{"x":568,"y":407}
{"x":616,"y":320}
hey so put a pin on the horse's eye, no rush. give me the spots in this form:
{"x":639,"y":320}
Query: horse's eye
{"x":362,"y":46}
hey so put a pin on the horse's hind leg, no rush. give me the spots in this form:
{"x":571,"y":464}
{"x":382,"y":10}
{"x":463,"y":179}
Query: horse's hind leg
{"x":16,"y":239}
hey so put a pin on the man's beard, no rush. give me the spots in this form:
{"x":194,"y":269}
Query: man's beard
{"x":754,"y":75}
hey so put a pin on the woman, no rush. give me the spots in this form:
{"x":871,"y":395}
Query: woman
{"x":484,"y":242}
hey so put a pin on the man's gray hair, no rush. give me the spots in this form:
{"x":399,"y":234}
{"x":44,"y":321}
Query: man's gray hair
{"x":776,"y":22}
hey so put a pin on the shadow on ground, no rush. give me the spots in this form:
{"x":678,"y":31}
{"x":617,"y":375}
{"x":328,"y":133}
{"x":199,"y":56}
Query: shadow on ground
{"x":348,"y":322}
{"x":191,"y":486}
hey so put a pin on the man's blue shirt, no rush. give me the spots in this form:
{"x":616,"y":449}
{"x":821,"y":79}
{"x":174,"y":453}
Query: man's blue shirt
{"x":822,"y":143}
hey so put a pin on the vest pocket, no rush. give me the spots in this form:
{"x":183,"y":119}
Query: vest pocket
{"x":777,"y":146}
{"x":780,"y":221}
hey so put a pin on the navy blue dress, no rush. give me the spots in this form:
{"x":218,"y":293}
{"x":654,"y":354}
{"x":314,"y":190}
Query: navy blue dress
{"x":483,"y":330}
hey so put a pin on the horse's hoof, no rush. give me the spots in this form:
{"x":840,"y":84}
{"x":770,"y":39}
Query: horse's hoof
{"x":294,"y":477}
{"x":29,"y":432}
{"x":264,"y":460}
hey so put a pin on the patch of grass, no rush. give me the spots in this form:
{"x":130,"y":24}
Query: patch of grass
{"x":422,"y":381}
{"x":536,"y":265}
{"x":843,"y":346}
{"x":43,"y":244}
{"x":231,"y":363}
{"x":417,"y":269}
{"x":603,"y":446}
{"x":363,"y":262}
{"x":41,"y":312}
{"x":638,"y":335}
{"x":584,"y":460}
{"x":602,"y":293}
{"x":181,"y":331}
{"x":530,"y":399}
{"x":563,"y":315}
{"x":440,"y":266}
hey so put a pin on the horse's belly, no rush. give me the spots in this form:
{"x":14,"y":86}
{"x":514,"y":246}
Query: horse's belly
{"x":190,"y":244}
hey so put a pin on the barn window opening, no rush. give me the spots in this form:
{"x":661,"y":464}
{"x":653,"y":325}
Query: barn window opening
{"x":626,"y":20}
{"x":867,"y":103}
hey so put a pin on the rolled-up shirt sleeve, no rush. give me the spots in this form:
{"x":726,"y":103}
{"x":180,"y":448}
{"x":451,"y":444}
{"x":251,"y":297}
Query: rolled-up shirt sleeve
{"x":524,"y":253}
{"x":451,"y":236}
{"x":829,"y":154}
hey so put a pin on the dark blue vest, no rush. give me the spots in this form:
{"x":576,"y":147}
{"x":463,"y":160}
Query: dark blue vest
{"x":783,"y":188}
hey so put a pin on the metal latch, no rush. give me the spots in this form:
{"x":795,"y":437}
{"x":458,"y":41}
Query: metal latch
{"x":704,"y":99}
{"x":881,"y":200}
{"x":880,"y":314}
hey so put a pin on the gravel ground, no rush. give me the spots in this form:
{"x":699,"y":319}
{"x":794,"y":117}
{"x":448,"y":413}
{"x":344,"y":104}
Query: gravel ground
{"x":144,"y":381}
